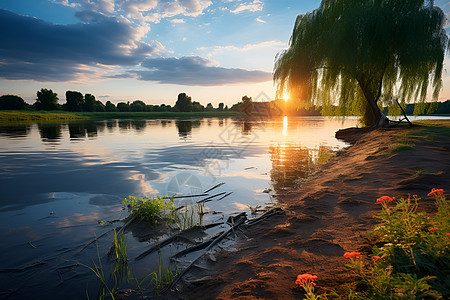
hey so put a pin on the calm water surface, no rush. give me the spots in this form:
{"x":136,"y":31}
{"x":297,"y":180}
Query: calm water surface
{"x":57,"y":180}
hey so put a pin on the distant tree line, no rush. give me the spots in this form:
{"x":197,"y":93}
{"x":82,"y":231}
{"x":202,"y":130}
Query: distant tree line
{"x":46,"y":99}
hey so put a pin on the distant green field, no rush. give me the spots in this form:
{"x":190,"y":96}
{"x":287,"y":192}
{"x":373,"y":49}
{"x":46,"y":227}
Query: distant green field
{"x":156,"y":115}
{"x":26,"y":116}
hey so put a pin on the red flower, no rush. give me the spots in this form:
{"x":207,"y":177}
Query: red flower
{"x":306,"y":278}
{"x":376,"y":257}
{"x":433,"y":229}
{"x":384,"y":198}
{"x":415,"y":196}
{"x":447,"y":233}
{"x":436,"y":192}
{"x":352,"y":254}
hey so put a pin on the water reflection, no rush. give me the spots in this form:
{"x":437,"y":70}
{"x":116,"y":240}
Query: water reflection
{"x":285,"y":125}
{"x":292,"y":164}
{"x":246,"y":127}
{"x":49,"y":132}
{"x":82,"y":129}
{"x":185,"y":127}
{"x":54,"y":194}
{"x":14,"y":131}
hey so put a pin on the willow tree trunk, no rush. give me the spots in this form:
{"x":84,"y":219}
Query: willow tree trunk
{"x":373,"y":117}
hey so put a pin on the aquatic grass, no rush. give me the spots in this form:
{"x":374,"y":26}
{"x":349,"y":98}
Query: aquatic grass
{"x":99,"y":272}
{"x":189,"y":216}
{"x":120,"y":248}
{"x":162,"y":277}
{"x":254,"y":209}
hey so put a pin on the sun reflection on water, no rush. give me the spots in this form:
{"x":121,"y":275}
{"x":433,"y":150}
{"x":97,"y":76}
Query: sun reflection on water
{"x":285,"y":125}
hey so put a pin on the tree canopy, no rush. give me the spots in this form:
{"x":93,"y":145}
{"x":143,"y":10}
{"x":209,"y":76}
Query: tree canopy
{"x":12,"y":102}
{"x":47,"y":100}
{"x":361,"y":53}
{"x":184,"y":102}
{"x":75,"y":101}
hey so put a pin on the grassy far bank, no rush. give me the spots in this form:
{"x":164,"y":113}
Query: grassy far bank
{"x":154,"y":115}
{"x":24,"y":116}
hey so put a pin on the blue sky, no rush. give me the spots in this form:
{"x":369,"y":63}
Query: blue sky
{"x":152,"y":50}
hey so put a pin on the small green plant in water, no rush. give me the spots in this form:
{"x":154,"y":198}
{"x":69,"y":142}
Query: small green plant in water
{"x":162,"y":277}
{"x":150,"y":210}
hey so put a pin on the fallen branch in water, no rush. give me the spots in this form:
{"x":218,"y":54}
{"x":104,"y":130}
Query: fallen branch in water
{"x":94,"y":240}
{"x":213,"y":243}
{"x":226,"y":195}
{"x":269,"y":213}
{"x":173,"y":238}
{"x":197,"y":247}
{"x":214,"y":187}
{"x":210,"y":197}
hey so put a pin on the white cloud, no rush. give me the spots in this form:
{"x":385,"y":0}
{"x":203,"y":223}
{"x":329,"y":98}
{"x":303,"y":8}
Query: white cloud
{"x":248,"y":47}
{"x":260,"y":20}
{"x":142,"y":10}
{"x":177,"y":21}
{"x":252,"y":6}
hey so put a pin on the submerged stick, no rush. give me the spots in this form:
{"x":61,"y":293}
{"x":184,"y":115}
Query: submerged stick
{"x":210,"y":197}
{"x":214,"y":187}
{"x":190,"y":196}
{"x":94,"y":240}
{"x":171,"y":239}
{"x":225,"y":196}
{"x":157,"y":246}
{"x":213,"y":243}
{"x":196,"y":247}
{"x":269,"y":213}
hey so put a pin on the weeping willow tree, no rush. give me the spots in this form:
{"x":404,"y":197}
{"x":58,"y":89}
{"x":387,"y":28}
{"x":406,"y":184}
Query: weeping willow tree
{"x":359,"y":54}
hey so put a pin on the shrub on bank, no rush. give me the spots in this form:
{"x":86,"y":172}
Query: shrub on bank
{"x":414,"y":259}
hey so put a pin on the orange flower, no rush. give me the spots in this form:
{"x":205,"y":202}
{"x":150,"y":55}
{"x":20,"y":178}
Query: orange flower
{"x":384,"y":198}
{"x":352,"y":254}
{"x":376,"y":257}
{"x":433,"y":229}
{"x":436,"y":192}
{"x":305,"y":278}
{"x":415,"y":196}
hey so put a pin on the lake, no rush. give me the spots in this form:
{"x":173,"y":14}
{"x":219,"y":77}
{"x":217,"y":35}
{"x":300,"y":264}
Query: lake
{"x":63,"y":184}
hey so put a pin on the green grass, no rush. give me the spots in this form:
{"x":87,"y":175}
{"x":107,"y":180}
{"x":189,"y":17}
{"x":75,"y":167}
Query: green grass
{"x":433,"y":128}
{"x":425,"y":130}
{"x":156,"y":115}
{"x":27,"y":116}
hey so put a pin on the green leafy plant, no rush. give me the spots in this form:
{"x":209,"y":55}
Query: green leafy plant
{"x":414,"y":259}
{"x":150,"y":210}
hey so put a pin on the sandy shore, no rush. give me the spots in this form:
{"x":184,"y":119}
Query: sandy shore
{"x":325,"y":217}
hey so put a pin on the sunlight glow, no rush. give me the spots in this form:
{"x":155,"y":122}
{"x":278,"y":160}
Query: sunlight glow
{"x":285,"y":125}
{"x":286,"y":96}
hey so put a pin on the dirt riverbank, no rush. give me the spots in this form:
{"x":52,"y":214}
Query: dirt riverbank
{"x":325,"y":217}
